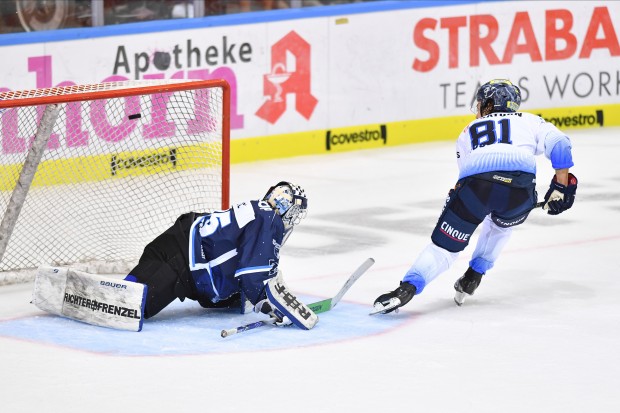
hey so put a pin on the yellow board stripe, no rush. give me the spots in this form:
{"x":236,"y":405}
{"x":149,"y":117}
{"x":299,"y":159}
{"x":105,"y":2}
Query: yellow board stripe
{"x":113,"y":166}
{"x":99,"y":167}
{"x":401,"y":133}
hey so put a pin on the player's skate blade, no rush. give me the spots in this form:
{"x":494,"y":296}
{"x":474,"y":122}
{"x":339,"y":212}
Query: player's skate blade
{"x":459,"y":298}
{"x":382,"y":309}
{"x":466,"y":285}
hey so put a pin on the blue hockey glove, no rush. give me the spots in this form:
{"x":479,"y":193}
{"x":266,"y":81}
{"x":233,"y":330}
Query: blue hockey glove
{"x":559,"y":197}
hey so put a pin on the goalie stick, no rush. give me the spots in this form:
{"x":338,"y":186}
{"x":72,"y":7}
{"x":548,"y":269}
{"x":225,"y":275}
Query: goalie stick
{"x":318,"y":307}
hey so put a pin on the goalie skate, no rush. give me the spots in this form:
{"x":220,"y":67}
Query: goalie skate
{"x":379,"y":308}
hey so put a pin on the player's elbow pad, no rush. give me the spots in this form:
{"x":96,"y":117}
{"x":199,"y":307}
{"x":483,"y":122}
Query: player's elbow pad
{"x":561,"y":155}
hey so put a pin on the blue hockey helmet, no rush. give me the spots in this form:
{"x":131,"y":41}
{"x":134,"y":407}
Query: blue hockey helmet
{"x":289,"y":201}
{"x":504,"y":96}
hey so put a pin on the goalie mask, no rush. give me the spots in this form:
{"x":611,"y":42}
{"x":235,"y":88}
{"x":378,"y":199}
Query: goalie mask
{"x":501,"y":93}
{"x":290,"y":202}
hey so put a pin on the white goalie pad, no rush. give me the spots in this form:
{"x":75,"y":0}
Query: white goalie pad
{"x":279,"y":295}
{"x":90,"y":298}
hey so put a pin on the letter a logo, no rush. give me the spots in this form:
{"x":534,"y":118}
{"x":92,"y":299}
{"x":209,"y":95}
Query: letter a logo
{"x":282,"y":81}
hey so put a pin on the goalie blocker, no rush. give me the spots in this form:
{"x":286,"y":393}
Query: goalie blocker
{"x":285,"y":302}
{"x":93,"y":299}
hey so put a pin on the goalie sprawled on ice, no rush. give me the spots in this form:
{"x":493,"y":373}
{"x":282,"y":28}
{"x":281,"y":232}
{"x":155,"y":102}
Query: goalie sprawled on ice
{"x":222,"y":260}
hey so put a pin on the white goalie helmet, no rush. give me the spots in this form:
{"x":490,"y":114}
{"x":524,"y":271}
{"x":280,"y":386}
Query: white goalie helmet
{"x":289,"y":201}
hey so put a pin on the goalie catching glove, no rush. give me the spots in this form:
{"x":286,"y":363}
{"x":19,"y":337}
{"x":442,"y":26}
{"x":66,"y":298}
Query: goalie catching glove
{"x":282,"y":305}
{"x":560,"y":197}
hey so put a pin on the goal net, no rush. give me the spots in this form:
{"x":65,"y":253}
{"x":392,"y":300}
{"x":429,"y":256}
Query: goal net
{"x":90,"y":174}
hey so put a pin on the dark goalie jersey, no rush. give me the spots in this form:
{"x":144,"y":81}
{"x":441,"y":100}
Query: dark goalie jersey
{"x":235,"y":251}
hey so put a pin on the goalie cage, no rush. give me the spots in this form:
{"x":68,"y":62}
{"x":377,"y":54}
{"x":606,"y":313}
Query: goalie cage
{"x":91,"y":173}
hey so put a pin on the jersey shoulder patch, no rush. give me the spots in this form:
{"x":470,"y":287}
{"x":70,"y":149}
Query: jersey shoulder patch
{"x":244,"y":213}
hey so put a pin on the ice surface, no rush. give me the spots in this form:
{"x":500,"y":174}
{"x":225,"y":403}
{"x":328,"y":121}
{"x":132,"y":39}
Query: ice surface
{"x":541,"y":334}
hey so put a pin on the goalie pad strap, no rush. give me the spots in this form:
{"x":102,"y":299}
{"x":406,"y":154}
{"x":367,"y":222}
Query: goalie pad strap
{"x":279,"y":295}
{"x":90,"y":298}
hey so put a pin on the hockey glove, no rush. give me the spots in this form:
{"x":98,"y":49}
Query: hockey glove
{"x":265,"y":307}
{"x":559,"y":197}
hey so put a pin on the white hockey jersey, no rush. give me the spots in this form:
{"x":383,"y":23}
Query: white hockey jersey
{"x":509,"y":142}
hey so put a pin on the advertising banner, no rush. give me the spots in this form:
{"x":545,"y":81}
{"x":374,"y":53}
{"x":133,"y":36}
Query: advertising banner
{"x":360,"y":76}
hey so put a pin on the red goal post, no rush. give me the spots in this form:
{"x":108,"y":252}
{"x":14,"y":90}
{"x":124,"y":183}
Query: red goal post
{"x":91,"y":173}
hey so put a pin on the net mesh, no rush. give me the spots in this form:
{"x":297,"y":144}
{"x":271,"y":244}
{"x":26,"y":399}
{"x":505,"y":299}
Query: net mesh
{"x":115,"y":173}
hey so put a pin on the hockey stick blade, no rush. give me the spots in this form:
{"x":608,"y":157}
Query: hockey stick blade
{"x":318,"y":307}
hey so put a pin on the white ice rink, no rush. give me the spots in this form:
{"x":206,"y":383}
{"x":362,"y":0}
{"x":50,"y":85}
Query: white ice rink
{"x":542,"y":333}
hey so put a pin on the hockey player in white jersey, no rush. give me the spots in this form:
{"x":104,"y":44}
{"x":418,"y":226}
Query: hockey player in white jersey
{"x":496,"y":188}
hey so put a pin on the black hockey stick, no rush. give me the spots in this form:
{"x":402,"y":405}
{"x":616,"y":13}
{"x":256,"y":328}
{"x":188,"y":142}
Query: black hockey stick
{"x":318,"y":307}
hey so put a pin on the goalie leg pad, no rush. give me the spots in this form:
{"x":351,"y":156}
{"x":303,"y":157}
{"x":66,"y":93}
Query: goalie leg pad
{"x":93,"y":299}
{"x":279,"y":295}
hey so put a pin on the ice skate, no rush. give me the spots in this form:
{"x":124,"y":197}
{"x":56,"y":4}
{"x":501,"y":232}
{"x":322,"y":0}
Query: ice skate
{"x":388,"y":302}
{"x":466,"y":285}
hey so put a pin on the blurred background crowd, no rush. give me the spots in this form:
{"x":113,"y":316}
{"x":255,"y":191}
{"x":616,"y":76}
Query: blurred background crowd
{"x":37,"y":15}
